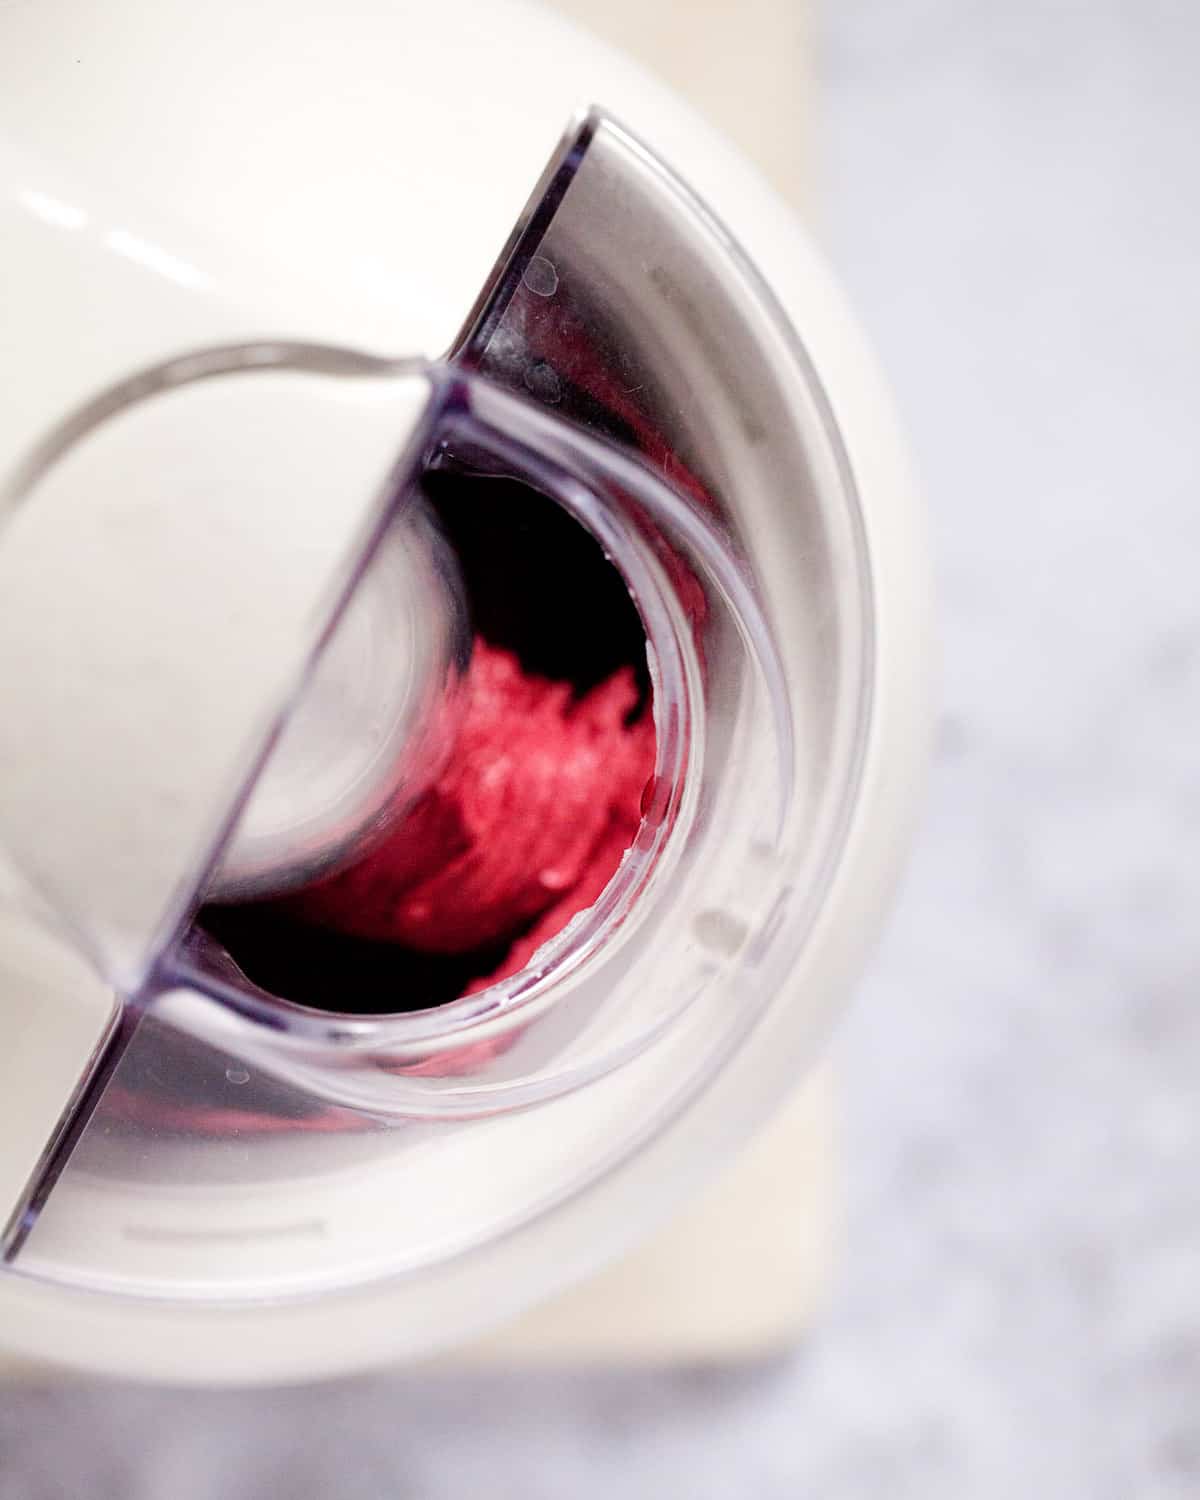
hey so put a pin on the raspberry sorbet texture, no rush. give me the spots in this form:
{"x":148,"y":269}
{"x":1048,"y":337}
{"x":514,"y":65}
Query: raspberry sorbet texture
{"x":523,"y":829}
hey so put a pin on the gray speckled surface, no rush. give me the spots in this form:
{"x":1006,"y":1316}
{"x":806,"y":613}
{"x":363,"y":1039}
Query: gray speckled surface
{"x":1012,"y":194}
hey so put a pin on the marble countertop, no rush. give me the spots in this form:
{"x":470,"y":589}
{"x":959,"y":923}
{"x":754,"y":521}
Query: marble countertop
{"x":1011,"y":194}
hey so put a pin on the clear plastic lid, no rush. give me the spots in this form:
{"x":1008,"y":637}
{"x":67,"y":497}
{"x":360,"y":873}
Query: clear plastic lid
{"x":232,"y":1143}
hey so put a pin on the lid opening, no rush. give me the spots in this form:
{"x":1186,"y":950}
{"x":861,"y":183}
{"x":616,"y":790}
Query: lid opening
{"x":540,"y":794}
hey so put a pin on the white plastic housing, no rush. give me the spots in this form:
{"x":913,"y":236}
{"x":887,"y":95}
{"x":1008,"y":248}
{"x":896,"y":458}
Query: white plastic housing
{"x":348,"y":181}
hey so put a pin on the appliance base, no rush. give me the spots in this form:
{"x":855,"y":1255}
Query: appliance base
{"x":739,"y":1275}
